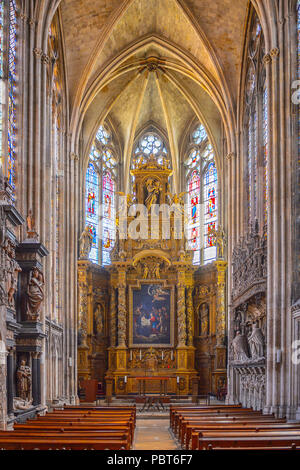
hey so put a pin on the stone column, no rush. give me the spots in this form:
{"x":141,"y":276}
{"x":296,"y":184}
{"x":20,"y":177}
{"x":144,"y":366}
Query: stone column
{"x":3,"y":399}
{"x":10,"y":383}
{"x":34,"y":378}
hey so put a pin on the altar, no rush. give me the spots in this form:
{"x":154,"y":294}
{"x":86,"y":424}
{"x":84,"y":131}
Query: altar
{"x":153,"y":322}
{"x":143,"y":381}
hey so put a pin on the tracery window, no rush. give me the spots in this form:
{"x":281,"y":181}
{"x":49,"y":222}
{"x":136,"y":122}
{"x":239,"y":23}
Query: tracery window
{"x":256,"y":124}
{"x":1,"y":76}
{"x":202,"y":195}
{"x":149,"y":144}
{"x":12,"y":80}
{"x":101,"y":185}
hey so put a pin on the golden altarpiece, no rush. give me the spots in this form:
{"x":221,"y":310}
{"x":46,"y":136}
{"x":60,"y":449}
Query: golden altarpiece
{"x":152,"y":312}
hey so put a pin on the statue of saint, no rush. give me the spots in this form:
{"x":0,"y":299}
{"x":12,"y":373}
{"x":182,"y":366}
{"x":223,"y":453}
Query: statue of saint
{"x":239,"y":346}
{"x":256,"y":342}
{"x":146,"y":271}
{"x":204,"y":320}
{"x":157,"y":271}
{"x":85,"y":243}
{"x":153,"y":188}
{"x":35,"y":294}
{"x":220,"y":240}
{"x":24,"y":381}
{"x":14,"y":270}
{"x":98,"y":319}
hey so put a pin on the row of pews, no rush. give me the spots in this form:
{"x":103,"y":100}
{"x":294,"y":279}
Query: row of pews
{"x":224,"y":427}
{"x":74,"y":428}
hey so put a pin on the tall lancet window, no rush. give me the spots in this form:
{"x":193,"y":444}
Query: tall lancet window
{"x":298,"y":33}
{"x":100,"y":197}
{"x":256,"y":126}
{"x":1,"y":77}
{"x":12,"y":80}
{"x":202,"y":197}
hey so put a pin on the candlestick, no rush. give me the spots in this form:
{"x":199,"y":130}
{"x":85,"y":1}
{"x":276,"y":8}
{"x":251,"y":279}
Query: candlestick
{"x":162,"y":355}
{"x":140,"y":354}
{"x":131,"y":354}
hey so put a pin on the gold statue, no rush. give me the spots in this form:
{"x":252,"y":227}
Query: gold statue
{"x":220,"y":241}
{"x":153,"y":188}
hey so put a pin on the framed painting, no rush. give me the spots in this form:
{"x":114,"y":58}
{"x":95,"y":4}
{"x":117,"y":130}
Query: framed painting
{"x":151,"y":315}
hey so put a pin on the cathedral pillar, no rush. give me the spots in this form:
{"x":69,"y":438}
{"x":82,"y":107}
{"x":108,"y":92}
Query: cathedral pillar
{"x":181,"y":311}
{"x":10,"y":383}
{"x":3,"y":399}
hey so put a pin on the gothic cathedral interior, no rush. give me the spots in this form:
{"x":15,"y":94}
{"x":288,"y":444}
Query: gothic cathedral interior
{"x":149,"y":203}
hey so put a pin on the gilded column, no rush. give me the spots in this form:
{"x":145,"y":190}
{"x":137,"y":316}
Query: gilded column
{"x":83,"y":303}
{"x":221,"y":310}
{"x":181,"y":313}
{"x":190,"y":317}
{"x":113,"y":319}
{"x":122,"y":310}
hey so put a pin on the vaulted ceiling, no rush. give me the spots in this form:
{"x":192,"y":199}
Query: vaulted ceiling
{"x":161,"y":61}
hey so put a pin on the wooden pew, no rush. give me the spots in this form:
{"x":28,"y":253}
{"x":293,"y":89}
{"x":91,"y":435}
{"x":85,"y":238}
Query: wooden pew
{"x":74,"y":429}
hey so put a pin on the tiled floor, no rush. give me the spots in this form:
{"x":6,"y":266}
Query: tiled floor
{"x":153,"y":434}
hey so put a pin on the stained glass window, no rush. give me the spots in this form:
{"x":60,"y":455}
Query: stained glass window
{"x":266,"y":152}
{"x":149,"y":144}
{"x":92,"y":208}
{"x":101,"y":180}
{"x":211,"y":212}
{"x":202,"y":181}
{"x":298,"y":30}
{"x":194,"y":196}
{"x":256,"y":126}
{"x":1,"y":76}
{"x":12,"y":172}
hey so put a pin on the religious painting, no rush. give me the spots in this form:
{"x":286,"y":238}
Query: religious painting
{"x":151,"y":316}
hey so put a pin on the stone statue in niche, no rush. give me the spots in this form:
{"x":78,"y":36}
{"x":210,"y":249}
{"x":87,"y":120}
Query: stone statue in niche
{"x":240,"y":348}
{"x":85,"y":243}
{"x":35,"y":294}
{"x":98,"y":321}
{"x":256,"y":341}
{"x":153,"y":188}
{"x":30,"y":222}
{"x":13,"y":272}
{"x":24,"y":381}
{"x":204,"y":320}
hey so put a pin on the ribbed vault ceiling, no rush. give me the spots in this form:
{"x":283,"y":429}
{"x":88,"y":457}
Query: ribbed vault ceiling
{"x":160,"y":61}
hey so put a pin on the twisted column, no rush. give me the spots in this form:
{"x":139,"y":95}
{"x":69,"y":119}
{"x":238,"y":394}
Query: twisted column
{"x":122,"y":310}
{"x":181,"y":312}
{"x":113,"y":318}
{"x":190,"y":316}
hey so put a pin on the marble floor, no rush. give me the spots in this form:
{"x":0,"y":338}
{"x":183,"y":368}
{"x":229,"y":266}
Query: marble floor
{"x":153,"y":434}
